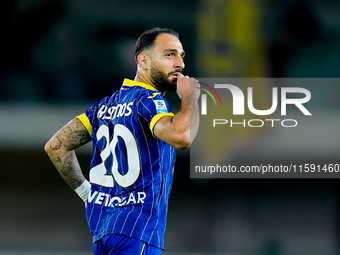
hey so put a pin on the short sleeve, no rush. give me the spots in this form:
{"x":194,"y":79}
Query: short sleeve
{"x":88,"y":118}
{"x":153,"y":107}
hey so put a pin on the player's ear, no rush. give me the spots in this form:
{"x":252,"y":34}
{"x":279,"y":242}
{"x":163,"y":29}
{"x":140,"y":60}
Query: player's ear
{"x":143,"y":60}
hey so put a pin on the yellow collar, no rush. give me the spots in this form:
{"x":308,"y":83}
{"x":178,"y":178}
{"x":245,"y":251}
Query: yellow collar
{"x":130,"y":83}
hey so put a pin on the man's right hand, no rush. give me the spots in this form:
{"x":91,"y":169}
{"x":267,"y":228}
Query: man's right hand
{"x":188,"y":87}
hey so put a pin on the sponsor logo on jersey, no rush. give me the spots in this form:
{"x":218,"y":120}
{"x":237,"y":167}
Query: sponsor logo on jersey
{"x":154,"y":94}
{"x":131,"y":198}
{"x":160,"y":106}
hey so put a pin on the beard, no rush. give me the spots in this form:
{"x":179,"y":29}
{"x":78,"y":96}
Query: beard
{"x":162,"y":81}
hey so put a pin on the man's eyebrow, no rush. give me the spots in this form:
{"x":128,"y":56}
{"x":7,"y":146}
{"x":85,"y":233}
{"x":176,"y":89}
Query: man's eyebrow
{"x":182,"y":53}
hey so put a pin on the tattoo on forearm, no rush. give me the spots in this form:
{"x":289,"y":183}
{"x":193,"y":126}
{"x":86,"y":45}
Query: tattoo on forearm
{"x":79,"y":138}
{"x":56,"y":145}
{"x":62,"y":154}
{"x":71,"y":171}
{"x":78,"y":135}
{"x":58,"y":160}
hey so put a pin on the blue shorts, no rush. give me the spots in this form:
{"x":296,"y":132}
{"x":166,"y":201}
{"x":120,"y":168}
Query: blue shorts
{"x":122,"y":245}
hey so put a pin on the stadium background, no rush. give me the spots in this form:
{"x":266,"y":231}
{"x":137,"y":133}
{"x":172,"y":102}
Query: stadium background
{"x":58,"y":57}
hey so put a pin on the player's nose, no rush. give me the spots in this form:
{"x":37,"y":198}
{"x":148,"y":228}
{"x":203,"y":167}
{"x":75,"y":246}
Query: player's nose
{"x":179,"y":63}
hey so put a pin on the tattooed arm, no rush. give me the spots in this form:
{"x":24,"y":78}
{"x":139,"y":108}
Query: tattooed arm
{"x":60,"y":149}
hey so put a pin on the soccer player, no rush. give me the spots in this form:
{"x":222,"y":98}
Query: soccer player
{"x":135,"y":136}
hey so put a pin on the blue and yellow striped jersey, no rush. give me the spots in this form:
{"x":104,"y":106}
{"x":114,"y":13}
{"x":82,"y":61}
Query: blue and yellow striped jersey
{"x":131,"y":170}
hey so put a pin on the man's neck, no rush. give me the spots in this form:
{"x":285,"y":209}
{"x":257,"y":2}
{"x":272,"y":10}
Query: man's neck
{"x":142,"y":78}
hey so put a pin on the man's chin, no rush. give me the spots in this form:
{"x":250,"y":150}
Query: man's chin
{"x":173,"y":80}
{"x":172,"y":86}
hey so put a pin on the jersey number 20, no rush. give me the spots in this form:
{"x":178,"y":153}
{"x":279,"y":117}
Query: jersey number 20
{"x":100,"y":175}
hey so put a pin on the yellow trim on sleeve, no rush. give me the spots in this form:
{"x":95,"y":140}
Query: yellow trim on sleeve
{"x":86,"y":122}
{"x":156,"y":118}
